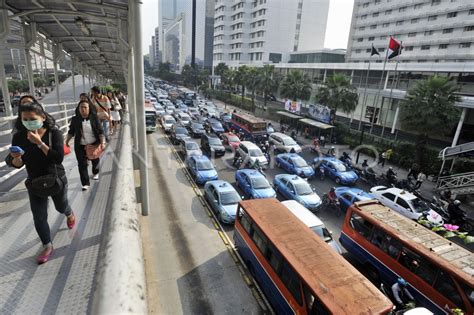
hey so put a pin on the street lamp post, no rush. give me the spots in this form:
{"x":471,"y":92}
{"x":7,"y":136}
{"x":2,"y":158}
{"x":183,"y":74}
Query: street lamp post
{"x":361,"y":141}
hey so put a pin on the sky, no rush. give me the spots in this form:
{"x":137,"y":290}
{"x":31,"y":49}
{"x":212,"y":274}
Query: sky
{"x":337,"y":31}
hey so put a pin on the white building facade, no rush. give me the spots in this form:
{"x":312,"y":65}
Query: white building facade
{"x":262,"y":31}
{"x":431,"y":30}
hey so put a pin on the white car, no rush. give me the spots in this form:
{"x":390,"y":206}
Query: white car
{"x":406,"y":204}
{"x":184,"y":119}
{"x":284,"y":142}
{"x":167,"y":122}
{"x":211,"y":111}
{"x":250,"y":153}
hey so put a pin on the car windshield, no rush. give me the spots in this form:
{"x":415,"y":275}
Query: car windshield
{"x":181,"y":130}
{"x":230,"y":198}
{"x":303,"y":189}
{"x":204,"y":165}
{"x":419,"y":205}
{"x":340,"y":167}
{"x":217,"y":125}
{"x":198,"y":126}
{"x":170,"y":121}
{"x":192,"y":146}
{"x":322,"y":232}
{"x":299,"y":162}
{"x":185,"y":118}
{"x":289,"y":141}
{"x":255,"y":152}
{"x":260,"y":183}
{"x":233,"y":138}
{"x":214,"y":141}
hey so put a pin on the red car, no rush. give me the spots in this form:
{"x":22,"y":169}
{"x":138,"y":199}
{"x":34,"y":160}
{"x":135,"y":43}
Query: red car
{"x":230,"y":141}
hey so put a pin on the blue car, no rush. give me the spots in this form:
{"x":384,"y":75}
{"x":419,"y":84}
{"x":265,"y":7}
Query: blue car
{"x":201,"y":169}
{"x":223,"y":199}
{"x":253,"y":184}
{"x":215,"y":126}
{"x":296,"y":188}
{"x":294,"y":164}
{"x":348,"y":195}
{"x":335,"y":169}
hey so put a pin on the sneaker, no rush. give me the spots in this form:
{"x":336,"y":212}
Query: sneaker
{"x":85,"y":187}
{"x":45,"y":254}
{"x":95,"y":177}
{"x":71,"y":221}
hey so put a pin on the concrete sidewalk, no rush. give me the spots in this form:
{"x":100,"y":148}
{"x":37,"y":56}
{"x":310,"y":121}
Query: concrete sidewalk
{"x":65,"y":284}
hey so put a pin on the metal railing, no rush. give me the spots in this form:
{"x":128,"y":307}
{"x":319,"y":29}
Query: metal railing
{"x":462,"y":183}
{"x":62,"y":118}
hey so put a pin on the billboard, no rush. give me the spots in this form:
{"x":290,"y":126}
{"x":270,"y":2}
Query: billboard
{"x":293,"y":106}
{"x":321,"y":113}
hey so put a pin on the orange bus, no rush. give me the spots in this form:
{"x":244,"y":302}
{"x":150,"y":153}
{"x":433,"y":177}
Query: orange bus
{"x":296,"y":270}
{"x":389,"y":245}
{"x":252,"y":127}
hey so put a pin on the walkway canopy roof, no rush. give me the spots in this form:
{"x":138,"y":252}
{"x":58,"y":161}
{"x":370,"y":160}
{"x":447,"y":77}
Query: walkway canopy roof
{"x":93,"y":32}
{"x":465,"y":149}
{"x":316,"y":124}
{"x":289,"y":115}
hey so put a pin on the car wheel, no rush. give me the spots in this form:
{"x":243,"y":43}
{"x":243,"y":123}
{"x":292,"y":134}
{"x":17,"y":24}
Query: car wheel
{"x":277,"y":164}
{"x":276,"y":189}
{"x":338,"y":180}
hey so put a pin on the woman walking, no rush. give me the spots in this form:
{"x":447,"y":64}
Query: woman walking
{"x":86,"y":129}
{"x":39,"y":146}
{"x":114,"y":111}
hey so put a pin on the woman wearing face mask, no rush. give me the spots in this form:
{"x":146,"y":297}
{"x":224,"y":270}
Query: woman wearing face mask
{"x":41,"y":149}
{"x":86,"y":129}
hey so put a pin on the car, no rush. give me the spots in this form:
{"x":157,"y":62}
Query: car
{"x":193,"y":112}
{"x":223,"y":199}
{"x":284,"y":143}
{"x":201,"y":119}
{"x":169,"y":110}
{"x":160,"y":111}
{"x":189,"y":148}
{"x":201,"y":169}
{"x":253,"y":184}
{"x":250,"y":153}
{"x":230,"y":141}
{"x":406,"y":204}
{"x":167,"y":122}
{"x":176,"y":112}
{"x":294,"y":164}
{"x":347,"y":196}
{"x":184,"y":119}
{"x":209,"y":112}
{"x":336,"y":170}
{"x":178,"y":133}
{"x":293,"y":187}
{"x":313,"y":223}
{"x":214,"y":126}
{"x":225,"y":117}
{"x":196,"y":129}
{"x":212,"y":145}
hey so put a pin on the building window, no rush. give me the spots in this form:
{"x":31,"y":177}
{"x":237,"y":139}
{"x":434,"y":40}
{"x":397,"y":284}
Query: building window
{"x":377,"y":1}
{"x":469,"y":28}
{"x":373,"y":27}
{"x":385,"y":25}
{"x":388,"y":12}
{"x":411,"y":34}
{"x":383,"y":37}
{"x":408,"y":48}
{"x":435,"y":2}
{"x":360,"y":39}
{"x":443,"y":46}
{"x":425,"y":47}
{"x":381,"y":49}
{"x":418,"y":6}
{"x":464,"y":45}
{"x":363,"y":17}
{"x":361,"y":28}
{"x":428,"y":33}
{"x":447,"y":30}
{"x":452,"y":14}
{"x":471,"y":12}
{"x":357,"y":51}
{"x":368,"y":50}
{"x":402,"y":9}
{"x":365,"y":5}
{"x":371,"y":38}
{"x":375,"y":14}
{"x":413,"y":21}
{"x":432,"y":18}
{"x":399,"y":23}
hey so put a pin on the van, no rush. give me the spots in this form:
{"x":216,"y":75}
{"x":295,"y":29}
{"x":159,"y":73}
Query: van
{"x":313,"y":222}
{"x":250,"y":152}
{"x":284,"y":143}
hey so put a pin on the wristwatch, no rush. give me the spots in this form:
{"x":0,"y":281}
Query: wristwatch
{"x":41,"y":144}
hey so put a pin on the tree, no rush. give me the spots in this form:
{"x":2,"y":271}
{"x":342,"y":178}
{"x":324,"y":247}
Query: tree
{"x":240,"y":78}
{"x":295,"y":85}
{"x":268,"y":82}
{"x":338,"y":93}
{"x":429,"y":109}
{"x":187,"y":75}
{"x":221,"y":70}
{"x":252,"y":80}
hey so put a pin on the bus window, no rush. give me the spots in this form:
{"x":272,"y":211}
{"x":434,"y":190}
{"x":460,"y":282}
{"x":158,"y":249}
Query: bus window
{"x":292,"y":282}
{"x":244,"y":221}
{"x":419,"y":266}
{"x":309,"y":301}
{"x":469,"y":292}
{"x":259,"y":239}
{"x":274,"y":258}
{"x":361,"y":226}
{"x":446,"y":287}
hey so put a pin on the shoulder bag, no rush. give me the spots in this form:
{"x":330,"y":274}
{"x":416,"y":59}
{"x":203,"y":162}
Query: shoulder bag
{"x":46,"y":185}
{"x":93,"y":151}
{"x":102,"y":115}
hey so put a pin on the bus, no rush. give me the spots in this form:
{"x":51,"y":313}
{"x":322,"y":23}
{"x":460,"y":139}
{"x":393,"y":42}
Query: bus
{"x":150,"y":117}
{"x":296,"y":270}
{"x":389,"y":245}
{"x":253,"y":128}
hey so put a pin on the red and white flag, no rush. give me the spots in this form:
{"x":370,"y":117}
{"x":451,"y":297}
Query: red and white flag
{"x":394,"y":48}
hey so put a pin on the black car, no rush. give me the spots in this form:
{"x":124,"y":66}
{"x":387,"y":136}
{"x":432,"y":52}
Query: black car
{"x":212,"y":145}
{"x":178,"y":133}
{"x":196,"y":129}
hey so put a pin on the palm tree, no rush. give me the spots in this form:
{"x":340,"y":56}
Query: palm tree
{"x":221,"y":70}
{"x":429,"y":109}
{"x":240,"y":78}
{"x":252,"y":81}
{"x":295,"y":86}
{"x":268,"y":82}
{"x":338,"y":92}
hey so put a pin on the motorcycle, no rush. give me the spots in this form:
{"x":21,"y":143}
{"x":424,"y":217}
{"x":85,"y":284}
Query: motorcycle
{"x":334,"y":205}
{"x":319,"y":171}
{"x":388,"y":293}
{"x":462,"y":220}
{"x":346,"y":159}
{"x":368,"y":177}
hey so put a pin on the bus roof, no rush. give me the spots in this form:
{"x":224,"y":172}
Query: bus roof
{"x":249,"y":118}
{"x":335,"y":282}
{"x":440,"y":250}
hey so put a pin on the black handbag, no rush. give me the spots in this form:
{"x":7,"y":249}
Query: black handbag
{"x":46,"y":185}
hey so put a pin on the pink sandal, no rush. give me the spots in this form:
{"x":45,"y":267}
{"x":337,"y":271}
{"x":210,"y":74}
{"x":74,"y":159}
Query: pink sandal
{"x":45,"y":254}
{"x":71,"y":221}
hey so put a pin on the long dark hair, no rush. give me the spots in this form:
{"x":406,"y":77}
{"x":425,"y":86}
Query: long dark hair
{"x":92,"y":110}
{"x":49,"y":122}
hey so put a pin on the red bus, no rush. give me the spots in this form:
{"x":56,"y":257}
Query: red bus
{"x":296,"y":270}
{"x":252,"y":127}
{"x":389,"y":245}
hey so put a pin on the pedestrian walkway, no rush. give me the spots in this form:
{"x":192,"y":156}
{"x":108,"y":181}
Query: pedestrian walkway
{"x":65,"y":284}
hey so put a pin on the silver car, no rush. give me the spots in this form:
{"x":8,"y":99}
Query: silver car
{"x":190,"y":148}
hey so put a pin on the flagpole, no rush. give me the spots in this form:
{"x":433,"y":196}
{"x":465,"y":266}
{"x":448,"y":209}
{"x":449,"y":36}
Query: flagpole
{"x":379,"y":89}
{"x":397,"y":111}
{"x":364,"y":101}
{"x":390,"y":96}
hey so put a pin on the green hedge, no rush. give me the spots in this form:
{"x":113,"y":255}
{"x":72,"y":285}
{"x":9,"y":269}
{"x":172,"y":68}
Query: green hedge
{"x":233,"y":99}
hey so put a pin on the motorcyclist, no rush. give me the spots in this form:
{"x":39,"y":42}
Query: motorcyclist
{"x":391,"y":175}
{"x":332,"y":151}
{"x":365,"y":163}
{"x":332,"y":195}
{"x":400,"y":293}
{"x":455,"y":211}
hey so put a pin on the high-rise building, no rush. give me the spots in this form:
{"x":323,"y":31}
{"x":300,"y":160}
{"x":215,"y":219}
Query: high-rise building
{"x":430,"y":30}
{"x":156,"y":47}
{"x":151,"y":53}
{"x":262,"y":31}
{"x":168,"y":11}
